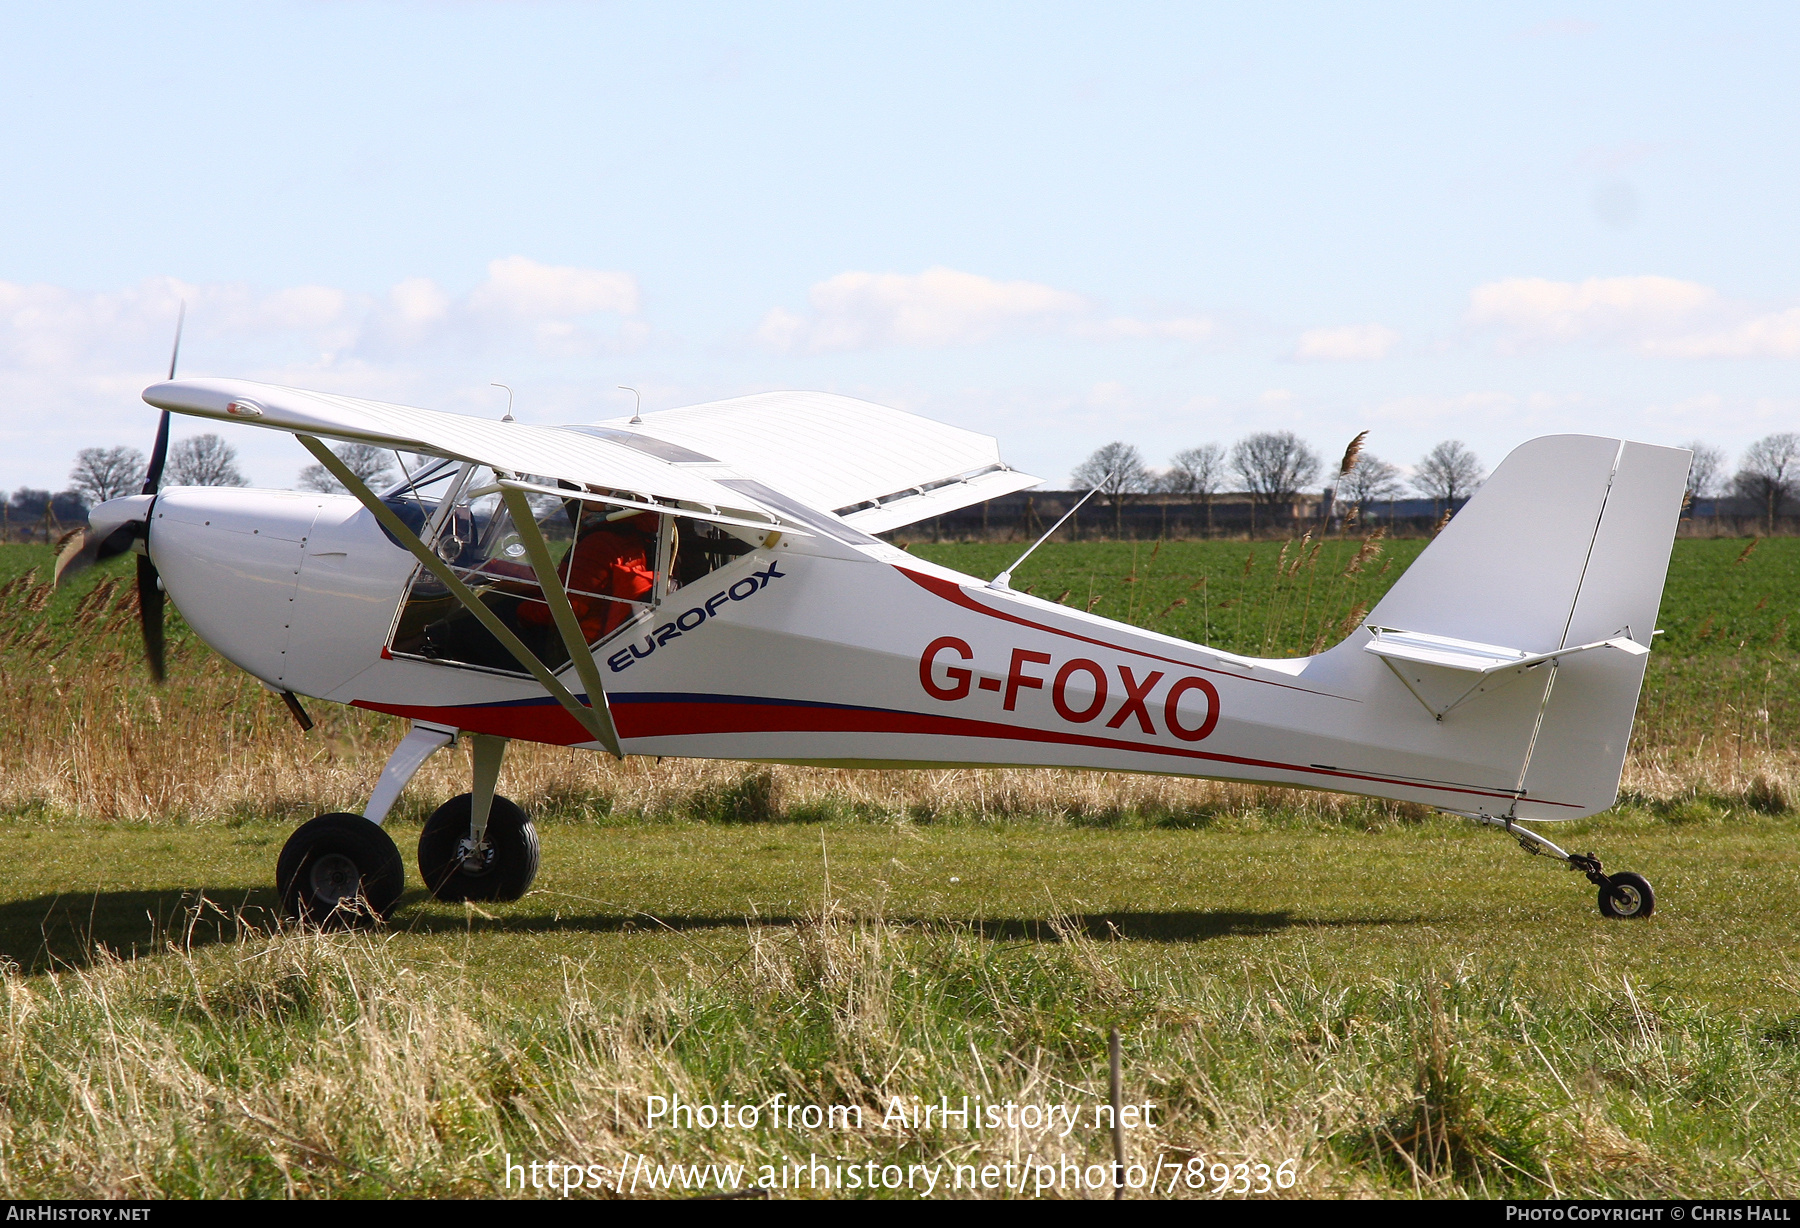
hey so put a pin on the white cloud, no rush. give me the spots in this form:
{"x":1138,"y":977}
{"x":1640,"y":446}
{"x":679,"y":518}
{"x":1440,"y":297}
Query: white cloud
{"x":564,"y":311}
{"x":946,"y":307}
{"x":1767,"y":336}
{"x":1659,"y":316}
{"x":1186,"y":328}
{"x":1535,"y":308}
{"x":1351,"y":343}
{"x":939,"y":307}
{"x":522,"y":287}
{"x":419,"y":301}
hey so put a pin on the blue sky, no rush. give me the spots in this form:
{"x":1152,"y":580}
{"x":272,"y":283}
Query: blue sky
{"x":1060,"y":224}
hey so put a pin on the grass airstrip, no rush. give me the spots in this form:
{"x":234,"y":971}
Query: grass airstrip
{"x":1384,"y":1001}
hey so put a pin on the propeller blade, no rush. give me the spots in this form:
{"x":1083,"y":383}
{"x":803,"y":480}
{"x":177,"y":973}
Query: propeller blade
{"x":112,"y":529}
{"x":175,"y":351}
{"x":150,"y":612}
{"x":78,"y":554}
{"x":87,"y":547}
{"x":159,"y":454}
{"x":149,"y":585}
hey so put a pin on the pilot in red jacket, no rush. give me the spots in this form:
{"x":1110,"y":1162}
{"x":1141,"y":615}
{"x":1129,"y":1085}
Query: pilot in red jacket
{"x":611,"y":558}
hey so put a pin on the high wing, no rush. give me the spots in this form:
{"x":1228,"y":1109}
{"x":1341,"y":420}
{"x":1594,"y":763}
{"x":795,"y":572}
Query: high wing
{"x":878,"y":468}
{"x":618,"y":460}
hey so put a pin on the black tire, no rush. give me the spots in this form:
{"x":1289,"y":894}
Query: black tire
{"x":510,"y":863}
{"x":1629,"y":898}
{"x":339,"y":871}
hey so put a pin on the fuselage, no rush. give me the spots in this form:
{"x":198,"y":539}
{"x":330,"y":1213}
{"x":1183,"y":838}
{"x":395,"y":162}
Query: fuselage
{"x":836,"y":648}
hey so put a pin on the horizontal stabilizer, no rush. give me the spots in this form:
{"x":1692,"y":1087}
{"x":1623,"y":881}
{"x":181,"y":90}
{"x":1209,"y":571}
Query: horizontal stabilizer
{"x":1442,"y":672}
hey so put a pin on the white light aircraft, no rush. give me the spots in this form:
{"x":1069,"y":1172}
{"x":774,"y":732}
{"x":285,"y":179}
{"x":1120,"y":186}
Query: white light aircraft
{"x":706,"y":582}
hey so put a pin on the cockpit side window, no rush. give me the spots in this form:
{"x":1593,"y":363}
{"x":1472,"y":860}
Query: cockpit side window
{"x":613,"y":562}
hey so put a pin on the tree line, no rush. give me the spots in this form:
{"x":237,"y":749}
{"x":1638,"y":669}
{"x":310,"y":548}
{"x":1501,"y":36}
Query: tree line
{"x":1273,"y":468}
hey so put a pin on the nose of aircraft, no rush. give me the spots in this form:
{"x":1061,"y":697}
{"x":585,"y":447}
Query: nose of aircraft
{"x":298,"y":589}
{"x":230,"y":558}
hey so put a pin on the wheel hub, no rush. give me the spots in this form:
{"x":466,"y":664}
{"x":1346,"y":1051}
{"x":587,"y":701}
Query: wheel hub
{"x":474,"y":859}
{"x":334,"y":879}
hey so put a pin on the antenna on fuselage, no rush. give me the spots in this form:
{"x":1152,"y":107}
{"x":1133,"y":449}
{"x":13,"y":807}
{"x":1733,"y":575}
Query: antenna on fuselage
{"x":1003,"y":581}
{"x":637,"y":408}
{"x":508,"y":417}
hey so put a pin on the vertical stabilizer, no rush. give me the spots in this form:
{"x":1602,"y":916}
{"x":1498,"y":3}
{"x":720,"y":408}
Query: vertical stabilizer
{"x":1508,"y":566}
{"x":1567,"y":544}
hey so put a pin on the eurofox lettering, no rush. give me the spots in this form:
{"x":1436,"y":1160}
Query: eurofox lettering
{"x":1080,"y":689}
{"x":691,"y":620}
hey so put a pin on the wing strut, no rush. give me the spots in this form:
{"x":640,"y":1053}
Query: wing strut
{"x":596,"y":719}
{"x":557,"y":598}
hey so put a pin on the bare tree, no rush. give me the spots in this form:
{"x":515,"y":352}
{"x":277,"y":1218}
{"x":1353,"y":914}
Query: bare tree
{"x":1196,"y":471}
{"x":1274,"y":466}
{"x":1704,"y":471}
{"x":1117,"y":471}
{"x":373,"y":465}
{"x":204,"y":460}
{"x":1449,"y":473}
{"x":1769,"y":474}
{"x":106,"y":473}
{"x":1371,"y":480}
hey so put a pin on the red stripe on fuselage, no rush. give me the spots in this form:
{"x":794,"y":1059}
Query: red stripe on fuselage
{"x":649,"y":720}
{"x":548,"y":723}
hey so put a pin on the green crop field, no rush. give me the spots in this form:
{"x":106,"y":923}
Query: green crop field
{"x":1383,"y":1001}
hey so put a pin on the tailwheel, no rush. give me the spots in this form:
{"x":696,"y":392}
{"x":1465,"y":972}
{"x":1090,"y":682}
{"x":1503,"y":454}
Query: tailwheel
{"x":500,"y":867}
{"x":339,"y":871}
{"x":1627,"y":896}
{"x":1624,"y":896}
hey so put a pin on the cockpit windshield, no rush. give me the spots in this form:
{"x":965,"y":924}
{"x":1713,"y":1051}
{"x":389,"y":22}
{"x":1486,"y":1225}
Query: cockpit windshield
{"x":613,"y":562}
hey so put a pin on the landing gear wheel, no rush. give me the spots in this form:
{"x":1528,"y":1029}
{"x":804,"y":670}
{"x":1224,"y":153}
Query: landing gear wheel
{"x":339,"y":871}
{"x":1628,"y":896}
{"x":501,"y":870}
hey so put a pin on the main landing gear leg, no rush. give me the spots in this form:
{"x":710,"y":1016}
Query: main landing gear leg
{"x":408,"y":757}
{"x":489,"y":750}
{"x":479,"y":846}
{"x":343,"y":869}
{"x":1623,"y":895}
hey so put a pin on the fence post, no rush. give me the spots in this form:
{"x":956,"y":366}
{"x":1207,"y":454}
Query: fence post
{"x":1118,"y":1130}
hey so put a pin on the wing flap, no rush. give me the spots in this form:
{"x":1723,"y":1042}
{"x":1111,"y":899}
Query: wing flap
{"x":910,"y":506}
{"x":836,"y":453}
